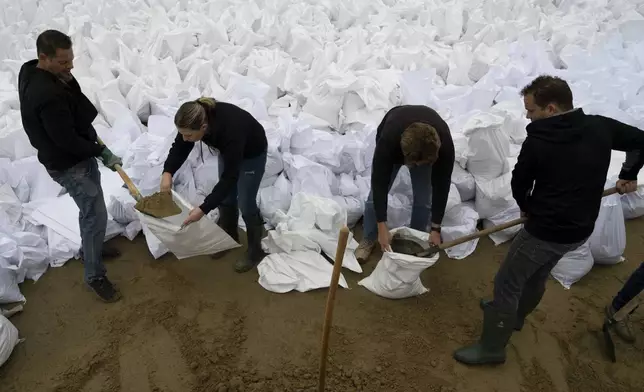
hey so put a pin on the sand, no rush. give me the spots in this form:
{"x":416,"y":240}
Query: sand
{"x":196,"y":325}
{"x":158,"y":205}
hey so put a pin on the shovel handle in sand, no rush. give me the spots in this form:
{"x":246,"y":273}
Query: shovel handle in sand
{"x":126,"y":179}
{"x":449,"y":244}
{"x":330,"y":301}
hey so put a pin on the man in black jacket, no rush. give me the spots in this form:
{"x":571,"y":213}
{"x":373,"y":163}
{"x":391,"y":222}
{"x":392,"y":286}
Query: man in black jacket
{"x":415,"y":136}
{"x":558,"y":183}
{"x":57,"y":118}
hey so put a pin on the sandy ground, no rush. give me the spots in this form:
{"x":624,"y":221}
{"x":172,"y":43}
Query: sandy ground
{"x":195,"y":325}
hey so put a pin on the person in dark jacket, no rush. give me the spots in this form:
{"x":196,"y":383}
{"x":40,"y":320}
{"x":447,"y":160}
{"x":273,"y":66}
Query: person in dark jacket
{"x":558,"y":183}
{"x":57,"y":118}
{"x":241,"y":141}
{"x":415,"y":136}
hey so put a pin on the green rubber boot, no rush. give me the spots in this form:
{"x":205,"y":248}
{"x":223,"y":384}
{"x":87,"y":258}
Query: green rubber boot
{"x":490,"y":349}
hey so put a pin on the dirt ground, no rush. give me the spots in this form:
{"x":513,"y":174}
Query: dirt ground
{"x":196,"y":325}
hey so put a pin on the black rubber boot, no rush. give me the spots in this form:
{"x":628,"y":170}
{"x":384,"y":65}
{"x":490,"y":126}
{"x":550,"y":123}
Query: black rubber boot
{"x":254,"y":253}
{"x":490,"y":349}
{"x":228,"y":218}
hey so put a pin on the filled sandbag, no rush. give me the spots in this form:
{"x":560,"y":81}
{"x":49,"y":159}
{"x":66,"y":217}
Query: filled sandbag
{"x":573,"y":266}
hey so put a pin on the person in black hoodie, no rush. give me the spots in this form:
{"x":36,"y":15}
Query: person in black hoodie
{"x":558,"y":183}
{"x":241,"y":141}
{"x":57,"y":118}
{"x":415,"y":136}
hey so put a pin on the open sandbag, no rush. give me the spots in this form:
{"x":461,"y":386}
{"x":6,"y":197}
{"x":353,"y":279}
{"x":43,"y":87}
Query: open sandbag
{"x":199,"y":238}
{"x":397,"y":275}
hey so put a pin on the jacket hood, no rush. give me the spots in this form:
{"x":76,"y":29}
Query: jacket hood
{"x":28,"y":72}
{"x":563,"y":128}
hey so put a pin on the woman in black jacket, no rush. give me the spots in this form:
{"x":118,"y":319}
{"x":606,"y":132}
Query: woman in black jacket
{"x":241,"y":141}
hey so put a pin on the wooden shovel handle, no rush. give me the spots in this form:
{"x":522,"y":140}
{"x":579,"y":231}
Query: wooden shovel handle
{"x":126,"y":179}
{"x":330,"y":301}
{"x":488,"y":231}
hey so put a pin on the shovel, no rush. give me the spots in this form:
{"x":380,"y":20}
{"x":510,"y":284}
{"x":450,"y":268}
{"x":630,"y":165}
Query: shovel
{"x":617,"y":317}
{"x":158,"y":205}
{"x":446,"y":245}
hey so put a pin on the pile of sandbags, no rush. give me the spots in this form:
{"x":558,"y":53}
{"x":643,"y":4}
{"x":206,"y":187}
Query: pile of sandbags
{"x":319,"y":77}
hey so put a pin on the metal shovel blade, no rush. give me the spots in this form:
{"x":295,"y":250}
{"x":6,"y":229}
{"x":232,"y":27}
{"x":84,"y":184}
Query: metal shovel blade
{"x":608,"y":340}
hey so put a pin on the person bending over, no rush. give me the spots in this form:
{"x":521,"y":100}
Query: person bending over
{"x":558,"y":183}
{"x":241,"y":141}
{"x":415,"y":136}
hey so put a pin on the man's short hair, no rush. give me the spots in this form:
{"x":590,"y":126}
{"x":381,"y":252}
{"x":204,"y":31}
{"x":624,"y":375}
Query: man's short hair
{"x":420,"y":143}
{"x":546,"y":89}
{"x":49,"y":41}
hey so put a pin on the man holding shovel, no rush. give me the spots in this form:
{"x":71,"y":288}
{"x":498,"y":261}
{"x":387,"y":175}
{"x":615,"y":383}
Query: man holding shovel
{"x":415,"y":136}
{"x":57,"y":118}
{"x":558,"y":183}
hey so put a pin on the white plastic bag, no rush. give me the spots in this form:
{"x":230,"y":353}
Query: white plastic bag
{"x":464,"y":182}
{"x":300,"y":270}
{"x":573,"y":266}
{"x":203,"y":237}
{"x":397,"y":275}
{"x":459,"y":222}
{"x":9,"y":290}
{"x":8,"y":339}
{"x":633,"y":204}
{"x":608,"y":240}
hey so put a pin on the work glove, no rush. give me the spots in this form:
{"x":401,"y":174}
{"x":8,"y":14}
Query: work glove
{"x":109,"y":159}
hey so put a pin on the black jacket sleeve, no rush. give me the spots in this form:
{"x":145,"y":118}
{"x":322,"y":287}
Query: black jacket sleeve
{"x":524,"y":174}
{"x":441,"y":181}
{"x":233,"y":156}
{"x":58,"y":122}
{"x":631,"y":140}
{"x":178,"y":154}
{"x":381,"y":170}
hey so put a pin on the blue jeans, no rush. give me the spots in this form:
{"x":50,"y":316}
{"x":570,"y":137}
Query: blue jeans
{"x":633,"y":286}
{"x":250,"y":176}
{"x":422,"y":189}
{"x":83,"y":183}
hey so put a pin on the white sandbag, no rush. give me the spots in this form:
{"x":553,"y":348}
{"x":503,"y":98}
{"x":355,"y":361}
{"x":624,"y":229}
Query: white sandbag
{"x":8,"y":339}
{"x":608,"y":240}
{"x":489,"y":145}
{"x":494,"y":196}
{"x":397,"y":275}
{"x":633,"y":204}
{"x":9,"y":290}
{"x":300,"y":270}
{"x":464,"y":182}
{"x":453,"y":198}
{"x":573,"y":266}
{"x":199,"y":238}
{"x":457,"y":223}
{"x":505,"y":216}
{"x":398,"y":210}
{"x":275,"y":197}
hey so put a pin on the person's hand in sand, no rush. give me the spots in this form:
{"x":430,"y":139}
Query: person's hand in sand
{"x":194,"y":215}
{"x":166,"y":183}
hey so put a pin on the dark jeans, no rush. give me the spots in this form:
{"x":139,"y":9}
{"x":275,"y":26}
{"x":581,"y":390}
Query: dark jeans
{"x":250,"y":176}
{"x":422,"y":190}
{"x":83,"y":183}
{"x":633,"y":286}
{"x":521,"y":280}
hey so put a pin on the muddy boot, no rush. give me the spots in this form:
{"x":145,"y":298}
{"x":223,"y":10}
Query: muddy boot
{"x":490,"y":349}
{"x":623,"y":327}
{"x":228,"y":218}
{"x":364,"y":250}
{"x":254,"y":253}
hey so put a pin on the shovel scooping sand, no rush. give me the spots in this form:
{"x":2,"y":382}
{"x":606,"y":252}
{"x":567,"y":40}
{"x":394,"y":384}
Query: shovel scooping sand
{"x":158,"y":205}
